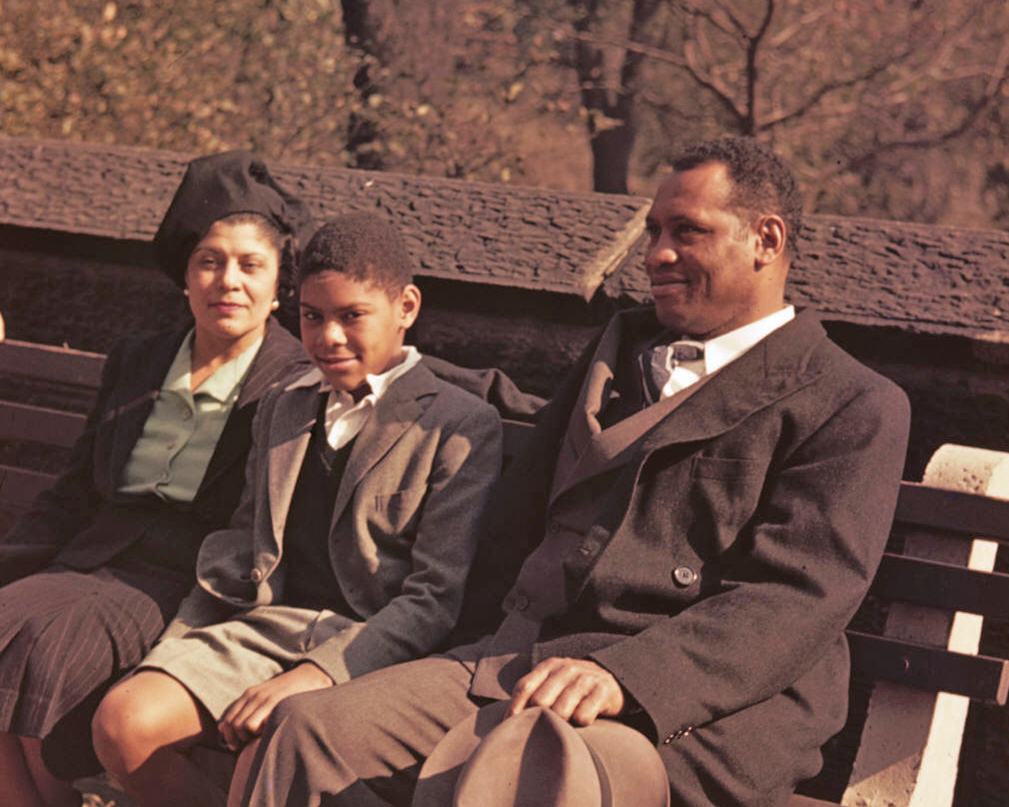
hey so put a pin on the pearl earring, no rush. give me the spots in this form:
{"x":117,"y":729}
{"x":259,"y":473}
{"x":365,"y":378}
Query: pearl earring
{"x":275,"y":305}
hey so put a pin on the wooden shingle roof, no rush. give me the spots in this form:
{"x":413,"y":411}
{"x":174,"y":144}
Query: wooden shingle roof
{"x":914,"y":277}
{"x":493,"y":234}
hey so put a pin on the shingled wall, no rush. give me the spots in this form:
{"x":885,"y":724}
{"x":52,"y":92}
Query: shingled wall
{"x":515,"y":277}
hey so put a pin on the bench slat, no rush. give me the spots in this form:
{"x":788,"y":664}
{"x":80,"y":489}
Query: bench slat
{"x":53,"y":364}
{"x":37,"y":424}
{"x":982,"y":678}
{"x":970,"y":514}
{"x":18,"y":487}
{"x":942,"y":585}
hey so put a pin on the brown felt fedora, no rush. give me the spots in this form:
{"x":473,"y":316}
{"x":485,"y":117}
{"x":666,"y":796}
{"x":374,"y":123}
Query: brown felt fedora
{"x":538,"y":759}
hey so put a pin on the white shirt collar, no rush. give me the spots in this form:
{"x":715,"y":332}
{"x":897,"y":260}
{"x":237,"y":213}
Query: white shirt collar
{"x":379,"y":382}
{"x":344,"y":417}
{"x":668,"y":376}
{"x":722,"y":349}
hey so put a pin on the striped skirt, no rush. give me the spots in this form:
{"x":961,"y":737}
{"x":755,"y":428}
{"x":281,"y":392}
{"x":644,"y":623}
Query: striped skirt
{"x":65,"y":637}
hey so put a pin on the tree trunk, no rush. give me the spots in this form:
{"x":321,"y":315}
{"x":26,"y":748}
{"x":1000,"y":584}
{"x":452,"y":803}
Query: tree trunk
{"x":364,"y":23}
{"x":611,"y":112}
{"x":611,"y":158}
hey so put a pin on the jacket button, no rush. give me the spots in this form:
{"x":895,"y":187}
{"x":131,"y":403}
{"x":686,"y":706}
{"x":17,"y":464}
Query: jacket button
{"x":555,"y":527}
{"x":521,"y":602}
{"x":684,"y":575}
{"x":255,"y":575}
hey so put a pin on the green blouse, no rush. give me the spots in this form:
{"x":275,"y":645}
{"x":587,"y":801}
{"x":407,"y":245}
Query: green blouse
{"x":181,"y":433}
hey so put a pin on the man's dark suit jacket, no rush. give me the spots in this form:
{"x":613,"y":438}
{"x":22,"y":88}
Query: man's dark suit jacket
{"x":76,"y":522}
{"x":712,"y":562}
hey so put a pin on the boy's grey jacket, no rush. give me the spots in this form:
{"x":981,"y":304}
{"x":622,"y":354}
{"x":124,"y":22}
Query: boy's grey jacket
{"x":710,"y":561}
{"x":403,"y":529}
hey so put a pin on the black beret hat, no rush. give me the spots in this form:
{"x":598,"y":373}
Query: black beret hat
{"x":217,"y":186}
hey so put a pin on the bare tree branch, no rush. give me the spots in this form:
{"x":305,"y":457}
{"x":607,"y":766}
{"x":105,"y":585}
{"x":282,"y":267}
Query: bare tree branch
{"x":750,"y":121}
{"x":722,"y":93}
{"x":736,"y":22}
{"x":992,"y":91}
{"x":634,"y":47}
{"x":941,"y":46}
{"x":766,"y":23}
{"x":691,"y":10}
{"x":805,"y":20}
{"x":828,"y":88}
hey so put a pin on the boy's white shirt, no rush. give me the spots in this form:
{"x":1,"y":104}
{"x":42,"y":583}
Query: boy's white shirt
{"x":344,"y":417}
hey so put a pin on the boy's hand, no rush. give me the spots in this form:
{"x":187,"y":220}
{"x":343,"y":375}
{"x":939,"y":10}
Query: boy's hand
{"x":244,"y":718}
{"x":578,"y":690}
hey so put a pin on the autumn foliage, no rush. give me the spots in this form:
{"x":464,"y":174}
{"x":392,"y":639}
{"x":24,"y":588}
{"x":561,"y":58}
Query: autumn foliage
{"x":886,"y":109}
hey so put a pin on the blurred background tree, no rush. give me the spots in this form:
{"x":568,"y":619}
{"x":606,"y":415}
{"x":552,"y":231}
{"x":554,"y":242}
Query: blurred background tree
{"x":893,"y":110}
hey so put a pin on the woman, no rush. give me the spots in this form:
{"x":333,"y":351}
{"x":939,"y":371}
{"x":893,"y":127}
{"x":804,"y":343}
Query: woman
{"x":98,"y":566}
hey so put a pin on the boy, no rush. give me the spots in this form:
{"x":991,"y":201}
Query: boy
{"x":351,"y":545}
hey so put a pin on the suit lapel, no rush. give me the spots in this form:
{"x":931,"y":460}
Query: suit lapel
{"x":397,"y":410}
{"x":773,"y":368}
{"x":279,"y":352}
{"x":614,"y":446}
{"x":584,"y":424}
{"x":291,"y":425}
{"x":770,"y":370}
{"x":588,"y":447}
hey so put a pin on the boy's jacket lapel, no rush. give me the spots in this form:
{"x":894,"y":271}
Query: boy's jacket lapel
{"x":274,"y":354}
{"x":400,"y":407}
{"x":396,"y":411}
{"x":293,"y":420}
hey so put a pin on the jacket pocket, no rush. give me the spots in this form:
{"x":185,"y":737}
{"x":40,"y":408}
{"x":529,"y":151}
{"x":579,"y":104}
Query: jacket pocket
{"x":724,"y":494}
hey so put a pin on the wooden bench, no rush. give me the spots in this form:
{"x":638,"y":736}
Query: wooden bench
{"x":923,"y":583}
{"x":32,"y":373}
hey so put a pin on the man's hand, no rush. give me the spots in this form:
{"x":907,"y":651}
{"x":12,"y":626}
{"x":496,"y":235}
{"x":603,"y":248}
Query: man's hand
{"x":245,"y":717}
{"x":576,"y":689}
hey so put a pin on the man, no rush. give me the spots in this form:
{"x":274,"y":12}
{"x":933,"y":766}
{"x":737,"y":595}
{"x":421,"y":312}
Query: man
{"x":680,"y":548}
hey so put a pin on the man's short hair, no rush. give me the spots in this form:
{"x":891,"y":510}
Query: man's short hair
{"x":763,"y":182}
{"x":363,"y":246}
